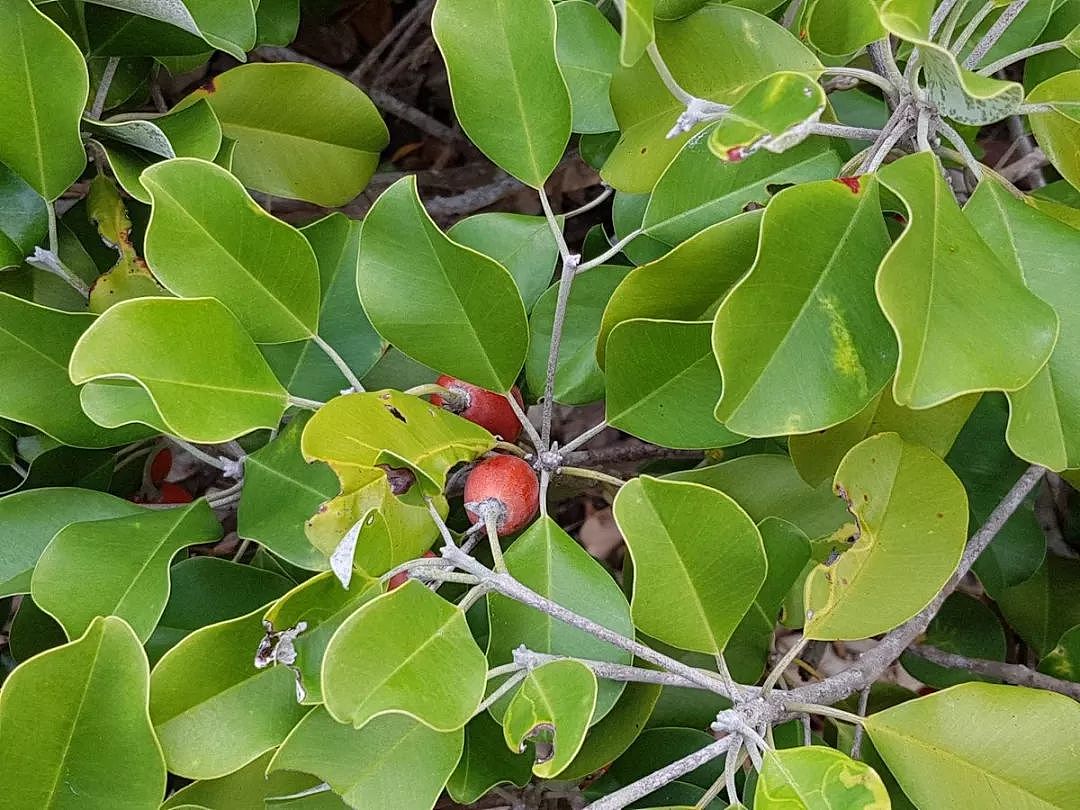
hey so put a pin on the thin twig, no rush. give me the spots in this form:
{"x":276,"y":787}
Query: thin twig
{"x":995,"y":32}
{"x":103,"y":87}
{"x":1034,"y":50}
{"x":857,"y":738}
{"x":1015,"y":674}
{"x":339,"y":361}
{"x":647,"y":784}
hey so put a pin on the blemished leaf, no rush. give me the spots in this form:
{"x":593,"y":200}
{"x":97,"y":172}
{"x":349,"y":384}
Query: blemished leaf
{"x":688,"y":283}
{"x":301,"y":131}
{"x":207,"y":237}
{"x":739,"y":45}
{"x":1064,"y":660}
{"x":1044,"y":418}
{"x":935,"y":267}
{"x":486,"y":762}
{"x":31,"y":519}
{"x":815,"y":776}
{"x":117,"y":566}
{"x":587,"y":48}
{"x":442,"y":304}
{"x":547,"y":560}
{"x":683,"y":537}
{"x":908,"y":505}
{"x":158,"y":343}
{"x":228,"y":25}
{"x":509,"y":96}
{"x":696,"y":190}
{"x":36,"y":343}
{"x":800,"y":340}
{"x":392,"y":763}
{"x":775,"y":115}
{"x":212,"y":710}
{"x":25,"y":219}
{"x":323,"y":605}
{"x":964,"y":626}
{"x":42,"y":97}
{"x":551,"y":710}
{"x":71,"y":715}
{"x":1057,"y":131}
{"x":1024,"y":760}
{"x":662,"y":383}
{"x":389,"y":658}
{"x":637,"y":30}
{"x":578,"y":378}
{"x":281,"y":491}
{"x":1043,"y":607}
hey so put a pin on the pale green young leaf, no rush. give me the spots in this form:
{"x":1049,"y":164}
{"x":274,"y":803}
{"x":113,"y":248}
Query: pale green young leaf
{"x":815,"y":776}
{"x":25,"y":219}
{"x":774,"y":114}
{"x":637,"y":30}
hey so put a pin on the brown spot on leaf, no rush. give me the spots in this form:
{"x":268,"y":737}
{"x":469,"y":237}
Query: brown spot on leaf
{"x":852,"y":183}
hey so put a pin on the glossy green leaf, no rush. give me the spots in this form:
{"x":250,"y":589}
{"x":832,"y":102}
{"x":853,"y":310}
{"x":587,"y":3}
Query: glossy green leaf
{"x":552,"y":709}
{"x":35,"y":345}
{"x":1025,"y":758}
{"x":281,"y":491}
{"x":444,"y":305}
{"x":1064,"y":660}
{"x":908,"y":505}
{"x":627,"y":214}
{"x":840,"y":27}
{"x":1044,"y":419}
{"x":42,"y":95}
{"x":587,"y":48}
{"x":300,"y":131}
{"x":688,"y":283}
{"x":118,"y":566}
{"x":33,"y":631}
{"x":509,"y":96}
{"x":228,"y":25}
{"x":69,"y":715}
{"x":739,"y":46}
{"x":683,"y":538}
{"x":924,"y":286}
{"x":486,"y":762}
{"x":801,"y":343}
{"x":207,"y":237}
{"x":637,"y":30}
{"x":390,"y":657}
{"x":392,"y":763}
{"x":31,"y":519}
{"x":964,"y":626}
{"x":1056,"y":131}
{"x":696,"y":190}
{"x":277,"y":21}
{"x":212,"y":710}
{"x":1042,"y":608}
{"x":117,"y":402}
{"x":662,"y":383}
{"x":547,"y":560}
{"x":814,"y":776}
{"x":24,"y":221}
{"x":202,"y":397}
{"x":775,"y":114}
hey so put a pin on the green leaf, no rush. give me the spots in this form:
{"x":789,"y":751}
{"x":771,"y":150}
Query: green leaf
{"x":31,"y":519}
{"x":662,"y":382}
{"x":578,"y":378}
{"x":392,"y":763}
{"x":547,"y":560}
{"x":841,"y":27}
{"x":815,"y":776}
{"x":212,"y":710}
{"x":1045,"y":606}
{"x":117,"y":566}
{"x":681,"y":536}
{"x":35,"y":345}
{"x":637,"y":30}
{"x":1044,"y":418}
{"x":25,"y":219}
{"x":323,"y":605}
{"x":1064,"y":660}
{"x":522,"y":244}
{"x":390,"y":657}
{"x":33,"y":631}
{"x":775,"y":114}
{"x":552,"y":710}
{"x":800,"y":340}
{"x":43,"y":93}
{"x":207,"y":237}
{"x":509,"y":95}
{"x":228,"y":25}
{"x":587,"y":48}
{"x":70,"y":716}
{"x":117,"y":402}
{"x":928,"y":745}
{"x":277,"y":21}
{"x":739,"y":46}
{"x":301,"y":131}
{"x":908,"y":504}
{"x":486,"y":762}
{"x":964,"y":626}
{"x":655,"y":748}
{"x":158,"y":343}
{"x":696,"y":190}
{"x":688,"y":283}
{"x":924,"y":285}
{"x":281,"y":491}
{"x":442,"y":304}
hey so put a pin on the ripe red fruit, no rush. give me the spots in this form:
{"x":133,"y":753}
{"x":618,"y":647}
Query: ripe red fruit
{"x":508,"y":485}
{"x":174,"y":493}
{"x":160,"y":466}
{"x":397,"y":580}
{"x":485,"y":408}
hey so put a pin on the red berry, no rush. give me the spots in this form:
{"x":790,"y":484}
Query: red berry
{"x":507,"y":484}
{"x":485,"y":408}
{"x":174,"y":493}
{"x":160,"y":466}
{"x":397,"y":580}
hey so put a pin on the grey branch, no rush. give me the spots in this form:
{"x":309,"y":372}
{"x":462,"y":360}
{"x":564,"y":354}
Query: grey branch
{"x":1016,"y":674}
{"x":1032,"y":161}
{"x":1011,"y":12}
